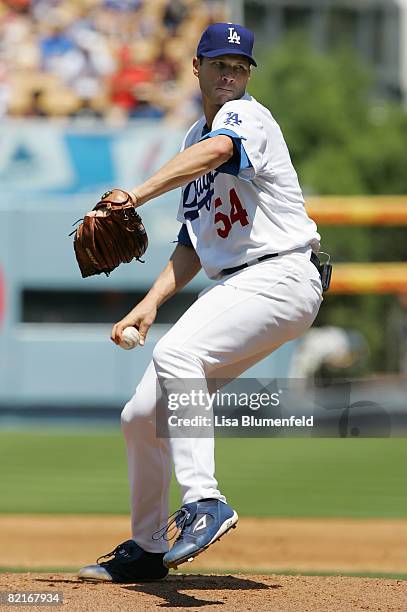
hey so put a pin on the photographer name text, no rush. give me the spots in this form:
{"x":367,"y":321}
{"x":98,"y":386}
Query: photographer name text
{"x":241,"y":421}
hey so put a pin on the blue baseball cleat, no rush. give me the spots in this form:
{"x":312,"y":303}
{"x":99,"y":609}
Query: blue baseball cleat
{"x":201,"y":523}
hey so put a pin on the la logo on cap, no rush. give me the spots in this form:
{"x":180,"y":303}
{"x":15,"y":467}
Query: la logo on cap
{"x":233,"y":36}
{"x":223,"y":38}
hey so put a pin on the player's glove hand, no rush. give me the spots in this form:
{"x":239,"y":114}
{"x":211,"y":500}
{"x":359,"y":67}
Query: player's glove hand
{"x":110,"y":234}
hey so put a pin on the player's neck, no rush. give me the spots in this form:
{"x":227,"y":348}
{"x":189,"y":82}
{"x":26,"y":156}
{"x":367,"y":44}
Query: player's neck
{"x":210,"y":110}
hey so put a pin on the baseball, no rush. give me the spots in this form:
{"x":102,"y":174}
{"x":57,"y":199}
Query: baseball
{"x":130,"y":338}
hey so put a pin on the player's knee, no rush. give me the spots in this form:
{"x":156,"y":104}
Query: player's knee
{"x":178,"y":362}
{"x":127,"y":416}
{"x":136,"y":412}
{"x":172,"y":360}
{"x":162,"y":356}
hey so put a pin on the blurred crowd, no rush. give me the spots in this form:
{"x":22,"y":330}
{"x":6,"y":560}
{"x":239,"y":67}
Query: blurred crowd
{"x":115,"y":59}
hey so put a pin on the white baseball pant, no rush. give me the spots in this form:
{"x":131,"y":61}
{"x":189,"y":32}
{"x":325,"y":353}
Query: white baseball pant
{"x":234,"y":324}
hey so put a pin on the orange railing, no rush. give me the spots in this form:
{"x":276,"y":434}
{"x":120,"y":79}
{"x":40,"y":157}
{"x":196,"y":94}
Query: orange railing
{"x":363,"y":210}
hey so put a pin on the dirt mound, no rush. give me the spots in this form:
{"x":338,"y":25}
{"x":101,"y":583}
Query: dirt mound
{"x":210,"y":592}
{"x":257,"y":545}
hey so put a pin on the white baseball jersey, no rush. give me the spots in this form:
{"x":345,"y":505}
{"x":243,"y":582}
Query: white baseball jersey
{"x":253,"y":204}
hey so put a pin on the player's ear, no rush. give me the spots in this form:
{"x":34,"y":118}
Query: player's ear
{"x":195,"y":66}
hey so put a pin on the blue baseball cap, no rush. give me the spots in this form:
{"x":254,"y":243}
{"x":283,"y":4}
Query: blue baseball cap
{"x":226,"y":39}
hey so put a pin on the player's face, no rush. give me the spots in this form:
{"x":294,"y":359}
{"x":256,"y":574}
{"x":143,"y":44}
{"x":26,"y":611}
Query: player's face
{"x":222,"y":78}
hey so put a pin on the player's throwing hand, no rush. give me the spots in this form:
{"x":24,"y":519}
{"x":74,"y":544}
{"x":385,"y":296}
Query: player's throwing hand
{"x":142,"y":317}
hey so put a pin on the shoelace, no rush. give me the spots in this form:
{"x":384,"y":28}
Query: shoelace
{"x":110,"y":554}
{"x":178,"y":518}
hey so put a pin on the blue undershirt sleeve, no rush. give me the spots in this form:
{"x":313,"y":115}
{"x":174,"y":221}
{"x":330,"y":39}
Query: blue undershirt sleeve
{"x":239,"y":160}
{"x":183,"y":237}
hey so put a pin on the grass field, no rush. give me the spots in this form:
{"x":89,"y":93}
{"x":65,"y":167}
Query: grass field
{"x":72,"y":472}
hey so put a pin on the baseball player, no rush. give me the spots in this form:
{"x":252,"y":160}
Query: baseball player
{"x":243,"y":221}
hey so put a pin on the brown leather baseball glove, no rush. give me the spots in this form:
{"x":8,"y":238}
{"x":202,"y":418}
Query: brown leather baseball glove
{"x":110,"y":234}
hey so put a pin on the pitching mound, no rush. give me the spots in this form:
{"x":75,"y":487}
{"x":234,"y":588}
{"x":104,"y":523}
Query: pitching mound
{"x":334,"y":546}
{"x":211,"y":592}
